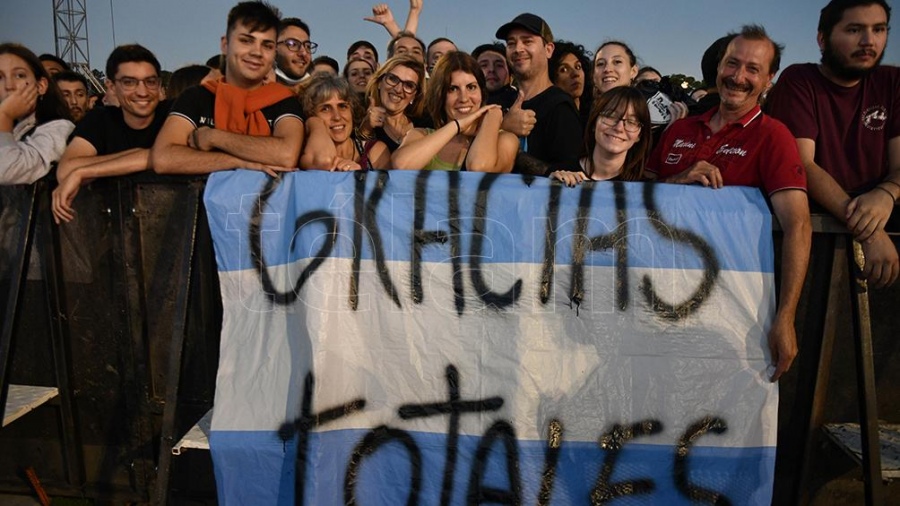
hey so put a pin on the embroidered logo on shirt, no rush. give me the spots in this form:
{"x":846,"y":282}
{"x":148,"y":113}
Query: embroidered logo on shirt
{"x":725,"y":149}
{"x":681,"y":143}
{"x":673,"y":158}
{"x":875,"y":117}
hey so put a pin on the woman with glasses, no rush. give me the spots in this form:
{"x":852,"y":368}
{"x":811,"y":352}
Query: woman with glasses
{"x":394,"y":98}
{"x":332,"y":142}
{"x":34,"y":118}
{"x":467,"y":133}
{"x":617,"y":142}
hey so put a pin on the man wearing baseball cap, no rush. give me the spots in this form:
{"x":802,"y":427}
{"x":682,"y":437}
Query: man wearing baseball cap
{"x":544,"y":116}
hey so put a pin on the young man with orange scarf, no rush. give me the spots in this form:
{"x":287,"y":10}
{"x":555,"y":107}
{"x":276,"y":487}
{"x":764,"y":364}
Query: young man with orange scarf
{"x":236,"y":121}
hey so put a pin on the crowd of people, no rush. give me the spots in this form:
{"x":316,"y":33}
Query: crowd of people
{"x":528,"y":104}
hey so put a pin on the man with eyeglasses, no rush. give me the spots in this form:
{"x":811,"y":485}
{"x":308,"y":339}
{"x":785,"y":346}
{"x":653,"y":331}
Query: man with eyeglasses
{"x":293,"y":53}
{"x":113,"y":141}
{"x":736,"y":144}
{"x":239,"y":121}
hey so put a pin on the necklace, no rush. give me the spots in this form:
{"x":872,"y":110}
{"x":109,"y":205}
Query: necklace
{"x":398,"y":135}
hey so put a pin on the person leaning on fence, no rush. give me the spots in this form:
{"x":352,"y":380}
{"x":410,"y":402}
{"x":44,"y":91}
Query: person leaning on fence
{"x":617,"y":141}
{"x":333,"y":143}
{"x":394,"y":97}
{"x":543,"y":115}
{"x":736,"y":144}
{"x":466,"y":133}
{"x":845,"y":116}
{"x":34,"y":120}
{"x":114,"y":141}
{"x":237,"y":121}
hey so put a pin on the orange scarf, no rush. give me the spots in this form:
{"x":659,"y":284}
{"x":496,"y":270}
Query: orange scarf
{"x":239,"y":111}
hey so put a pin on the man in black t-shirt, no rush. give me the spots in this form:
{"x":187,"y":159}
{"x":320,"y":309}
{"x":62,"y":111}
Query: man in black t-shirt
{"x":544,"y":116}
{"x":113,"y":141}
{"x":238,"y":121}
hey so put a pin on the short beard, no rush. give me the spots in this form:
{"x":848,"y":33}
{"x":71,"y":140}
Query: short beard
{"x":838,"y":66}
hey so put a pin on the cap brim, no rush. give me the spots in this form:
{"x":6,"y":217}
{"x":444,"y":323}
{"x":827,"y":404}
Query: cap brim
{"x":504,"y":30}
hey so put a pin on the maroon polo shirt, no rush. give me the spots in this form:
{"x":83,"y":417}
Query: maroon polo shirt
{"x":756,"y":150}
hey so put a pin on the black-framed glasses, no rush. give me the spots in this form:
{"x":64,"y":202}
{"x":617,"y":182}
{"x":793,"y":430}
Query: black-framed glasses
{"x":409,"y":87}
{"x":130,"y":83}
{"x":611,"y":120}
{"x":294,"y":45}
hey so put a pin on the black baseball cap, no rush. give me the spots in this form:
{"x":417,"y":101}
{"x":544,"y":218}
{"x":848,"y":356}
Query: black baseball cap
{"x":528,"y":22}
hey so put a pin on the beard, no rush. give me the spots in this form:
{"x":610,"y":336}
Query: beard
{"x":841,"y":67}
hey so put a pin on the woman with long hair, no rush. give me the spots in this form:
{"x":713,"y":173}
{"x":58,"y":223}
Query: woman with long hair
{"x":34,"y":119}
{"x":615,"y":65}
{"x":466,"y":133}
{"x":332,"y":142}
{"x":394,"y":96}
{"x":617,"y":141}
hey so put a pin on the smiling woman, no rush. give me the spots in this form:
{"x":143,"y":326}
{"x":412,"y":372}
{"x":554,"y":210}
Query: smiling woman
{"x":328,"y":102}
{"x":467,"y":133}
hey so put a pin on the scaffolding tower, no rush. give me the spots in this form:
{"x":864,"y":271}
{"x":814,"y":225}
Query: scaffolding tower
{"x":71,"y":34}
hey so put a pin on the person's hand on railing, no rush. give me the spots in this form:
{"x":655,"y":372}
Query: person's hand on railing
{"x":882,"y":263}
{"x":868,"y":213}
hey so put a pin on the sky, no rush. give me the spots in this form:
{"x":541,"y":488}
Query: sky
{"x":669,"y":35}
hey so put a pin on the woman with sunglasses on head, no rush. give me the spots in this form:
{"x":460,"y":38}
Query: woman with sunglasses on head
{"x":617,"y":141}
{"x":34,"y":119}
{"x":332,"y":142}
{"x":467,"y":133}
{"x":394,"y":98}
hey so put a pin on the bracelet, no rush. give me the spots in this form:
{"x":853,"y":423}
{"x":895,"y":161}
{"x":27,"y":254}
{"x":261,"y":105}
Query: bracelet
{"x":889,"y":193}
{"x":888,"y":181}
{"x":458,"y":129}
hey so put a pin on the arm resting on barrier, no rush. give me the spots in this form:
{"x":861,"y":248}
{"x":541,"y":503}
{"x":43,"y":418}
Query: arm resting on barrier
{"x":118,"y":164}
{"x":172,"y":155}
{"x":882,"y":263}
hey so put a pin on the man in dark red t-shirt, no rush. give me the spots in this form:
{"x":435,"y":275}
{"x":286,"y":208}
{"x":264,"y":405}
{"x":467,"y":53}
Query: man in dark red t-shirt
{"x":845,"y":116}
{"x":736,"y":144}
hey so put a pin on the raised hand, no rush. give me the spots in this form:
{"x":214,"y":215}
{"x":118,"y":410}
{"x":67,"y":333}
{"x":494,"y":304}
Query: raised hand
{"x":21,"y":102}
{"x":375,"y":115}
{"x":519,"y":121}
{"x":470,"y":123}
{"x":381,"y":14}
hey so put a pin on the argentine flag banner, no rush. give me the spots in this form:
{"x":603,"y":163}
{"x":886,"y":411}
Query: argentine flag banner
{"x":451,"y":338}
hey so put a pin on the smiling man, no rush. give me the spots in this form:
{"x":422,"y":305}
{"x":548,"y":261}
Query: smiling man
{"x":293,"y":53}
{"x":238,"y":121}
{"x":113,"y":141}
{"x":845,"y":116}
{"x":736,"y":144}
{"x":544,"y":116}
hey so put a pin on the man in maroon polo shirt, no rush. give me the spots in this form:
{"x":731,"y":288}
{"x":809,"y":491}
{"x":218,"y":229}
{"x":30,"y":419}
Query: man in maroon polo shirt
{"x":736,"y":144}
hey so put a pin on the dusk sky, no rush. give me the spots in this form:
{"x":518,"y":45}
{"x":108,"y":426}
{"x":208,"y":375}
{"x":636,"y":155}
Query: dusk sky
{"x":669,"y":35}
